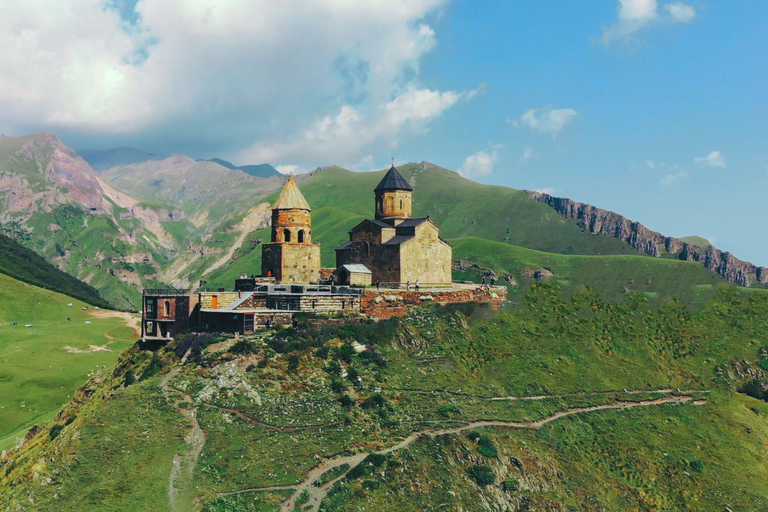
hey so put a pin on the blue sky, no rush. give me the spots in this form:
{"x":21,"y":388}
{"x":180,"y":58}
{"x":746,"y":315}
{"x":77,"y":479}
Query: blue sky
{"x":651,"y":108}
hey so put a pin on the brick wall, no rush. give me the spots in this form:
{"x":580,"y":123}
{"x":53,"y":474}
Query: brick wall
{"x":389,"y":303}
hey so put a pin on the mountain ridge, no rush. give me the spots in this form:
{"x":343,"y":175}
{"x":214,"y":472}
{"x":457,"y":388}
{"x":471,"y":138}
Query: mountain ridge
{"x":599,"y":221}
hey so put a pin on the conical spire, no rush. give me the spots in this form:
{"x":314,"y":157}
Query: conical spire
{"x":393,"y":180}
{"x":291,"y":198}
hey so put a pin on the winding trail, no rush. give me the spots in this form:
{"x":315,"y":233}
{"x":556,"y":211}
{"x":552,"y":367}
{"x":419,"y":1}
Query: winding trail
{"x":180,"y":493}
{"x":318,"y":492}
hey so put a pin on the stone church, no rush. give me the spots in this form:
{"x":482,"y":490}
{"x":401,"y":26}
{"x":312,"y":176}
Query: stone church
{"x":395,"y":247}
{"x":290,"y":256}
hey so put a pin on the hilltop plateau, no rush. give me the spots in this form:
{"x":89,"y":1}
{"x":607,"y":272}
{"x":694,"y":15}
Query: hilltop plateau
{"x":460,"y":408}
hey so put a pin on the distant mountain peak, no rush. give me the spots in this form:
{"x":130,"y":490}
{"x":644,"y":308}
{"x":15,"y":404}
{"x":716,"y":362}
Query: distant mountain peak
{"x":257,"y":170}
{"x":101,"y":160}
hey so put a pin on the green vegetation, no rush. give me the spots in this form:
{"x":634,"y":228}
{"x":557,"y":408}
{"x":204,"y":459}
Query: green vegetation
{"x":25,"y":265}
{"x":42,"y":365}
{"x":269,"y":424}
{"x":699,"y":241}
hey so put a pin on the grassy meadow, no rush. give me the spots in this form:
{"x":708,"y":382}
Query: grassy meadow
{"x":42,"y":366}
{"x":274,"y":405}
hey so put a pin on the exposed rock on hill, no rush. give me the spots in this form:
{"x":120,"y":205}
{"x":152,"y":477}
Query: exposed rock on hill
{"x":598,"y":221}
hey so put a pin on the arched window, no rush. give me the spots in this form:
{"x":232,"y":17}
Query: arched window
{"x":286,"y":235}
{"x":301,"y":236}
{"x":167,"y":308}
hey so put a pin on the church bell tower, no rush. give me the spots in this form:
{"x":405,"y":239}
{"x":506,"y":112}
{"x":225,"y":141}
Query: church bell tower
{"x":393,"y":196}
{"x":290,"y":256}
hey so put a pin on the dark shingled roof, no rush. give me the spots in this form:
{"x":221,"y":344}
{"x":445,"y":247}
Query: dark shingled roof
{"x":397,"y":240}
{"x":412,"y":223}
{"x":393,"y":180}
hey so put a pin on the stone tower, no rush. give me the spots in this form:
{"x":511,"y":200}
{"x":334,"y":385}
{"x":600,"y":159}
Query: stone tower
{"x":291,"y":257}
{"x":393,"y":196}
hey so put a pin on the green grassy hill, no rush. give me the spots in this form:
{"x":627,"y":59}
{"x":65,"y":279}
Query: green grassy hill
{"x":697,"y":240}
{"x":42,"y":365}
{"x":26,"y":265}
{"x":566,"y":403}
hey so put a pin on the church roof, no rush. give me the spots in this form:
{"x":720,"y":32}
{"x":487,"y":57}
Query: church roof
{"x":291,"y":198}
{"x":393,"y":180}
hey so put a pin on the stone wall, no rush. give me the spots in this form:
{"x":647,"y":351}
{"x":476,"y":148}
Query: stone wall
{"x":224,"y":299}
{"x":426,"y":258}
{"x":291,"y":263}
{"x":389,"y":303}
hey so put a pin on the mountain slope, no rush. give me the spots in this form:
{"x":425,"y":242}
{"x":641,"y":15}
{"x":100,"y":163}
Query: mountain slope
{"x":560,"y":403}
{"x":599,"y":221}
{"x":42,"y":365}
{"x":25,"y":265}
{"x":176,"y":221}
{"x":257,"y":171}
{"x":101,"y":160}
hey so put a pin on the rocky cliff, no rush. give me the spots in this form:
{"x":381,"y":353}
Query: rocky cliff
{"x":598,"y":221}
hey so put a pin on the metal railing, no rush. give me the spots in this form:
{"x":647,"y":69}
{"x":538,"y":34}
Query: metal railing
{"x":166,"y":291}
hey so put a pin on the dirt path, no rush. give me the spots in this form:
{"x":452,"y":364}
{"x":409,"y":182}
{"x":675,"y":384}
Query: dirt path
{"x":662,"y":391}
{"x":132,"y":320}
{"x":318,"y":493}
{"x":180,"y":493}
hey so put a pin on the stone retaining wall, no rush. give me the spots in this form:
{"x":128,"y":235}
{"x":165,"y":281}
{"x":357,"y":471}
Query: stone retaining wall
{"x":389,"y":303}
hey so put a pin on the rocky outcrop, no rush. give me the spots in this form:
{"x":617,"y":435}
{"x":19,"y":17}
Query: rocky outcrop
{"x":598,"y":221}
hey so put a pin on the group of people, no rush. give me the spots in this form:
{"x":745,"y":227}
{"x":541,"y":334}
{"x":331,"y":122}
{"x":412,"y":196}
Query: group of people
{"x":407,"y":285}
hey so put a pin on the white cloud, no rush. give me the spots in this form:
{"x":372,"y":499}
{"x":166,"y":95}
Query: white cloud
{"x":478,"y":164}
{"x":547,"y":190}
{"x":680,"y":13}
{"x":546,"y":119}
{"x":634,"y":15}
{"x":347,"y":137}
{"x":287,"y":169}
{"x":714,"y":159}
{"x":650,"y":164}
{"x":529,"y":153}
{"x":673,"y":179}
{"x":243,"y":66}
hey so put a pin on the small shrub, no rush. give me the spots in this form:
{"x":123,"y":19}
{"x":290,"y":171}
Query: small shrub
{"x":337,"y":386}
{"x":153,"y":368}
{"x":756,"y":389}
{"x":323,"y":352}
{"x":356,"y":472}
{"x":486,"y":447}
{"x":55,"y":431}
{"x":195,"y":343}
{"x":372,"y":355}
{"x":763,"y":363}
{"x":447,"y":410}
{"x":243,"y":346}
{"x":345,"y":401}
{"x":510,"y":485}
{"x":375,"y":401}
{"x":345,"y":353}
{"x":481,"y":474}
{"x":293,"y":362}
{"x":333,"y":368}
{"x":352,"y":374}
{"x":70,"y":420}
{"x":375,"y":459}
{"x":697,"y":465}
{"x":129,"y":378}
{"x":279,"y":345}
